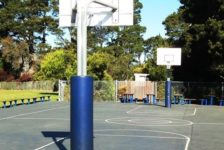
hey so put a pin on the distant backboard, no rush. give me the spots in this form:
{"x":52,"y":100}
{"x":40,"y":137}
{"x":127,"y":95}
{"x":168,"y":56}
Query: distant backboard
{"x":98,"y":14}
{"x":169,"y":56}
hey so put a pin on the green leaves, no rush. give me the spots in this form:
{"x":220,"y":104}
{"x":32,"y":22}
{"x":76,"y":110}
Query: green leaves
{"x":98,"y":64}
{"x":15,"y":53}
{"x":59,"y":64}
{"x":27,"y":20}
{"x":199,"y":26}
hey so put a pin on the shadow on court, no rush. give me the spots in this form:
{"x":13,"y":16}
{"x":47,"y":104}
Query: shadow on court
{"x":58,"y":138}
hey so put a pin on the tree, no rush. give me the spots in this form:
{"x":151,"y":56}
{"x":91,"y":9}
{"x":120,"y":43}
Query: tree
{"x":59,"y":64}
{"x":201,"y":40}
{"x":98,"y":65}
{"x":28,"y":20}
{"x":15,"y":54}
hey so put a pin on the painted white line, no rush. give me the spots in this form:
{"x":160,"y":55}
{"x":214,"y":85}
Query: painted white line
{"x":155,"y":131}
{"x":30,"y":113}
{"x":42,"y":147}
{"x":139,"y":136}
{"x":41,"y":119}
{"x":195,"y":110}
{"x":158,"y":113}
{"x":204,"y":123}
{"x":97,"y":119}
{"x":129,"y":121}
{"x":136,"y":108}
{"x":154,"y":121}
{"x":66,"y":119}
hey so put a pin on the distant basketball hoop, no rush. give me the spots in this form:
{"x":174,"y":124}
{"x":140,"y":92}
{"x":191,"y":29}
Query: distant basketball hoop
{"x":168,"y":57}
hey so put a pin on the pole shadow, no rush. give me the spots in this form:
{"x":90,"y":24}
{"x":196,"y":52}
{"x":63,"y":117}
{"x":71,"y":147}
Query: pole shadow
{"x":58,"y":137}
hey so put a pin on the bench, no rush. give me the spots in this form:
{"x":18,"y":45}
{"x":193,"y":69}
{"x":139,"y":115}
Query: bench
{"x":189,"y":100}
{"x":15,"y":102}
{"x":127,"y":98}
{"x":151,"y":98}
{"x":221,"y":102}
{"x":204,"y":101}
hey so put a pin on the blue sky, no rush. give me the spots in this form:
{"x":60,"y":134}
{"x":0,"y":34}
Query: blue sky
{"x":154,"y":13}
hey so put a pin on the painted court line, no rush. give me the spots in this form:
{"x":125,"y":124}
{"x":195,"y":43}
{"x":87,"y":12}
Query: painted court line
{"x":41,"y":119}
{"x":140,"y":136}
{"x":51,"y":143}
{"x":30,"y":113}
{"x":174,"y":122}
{"x":134,"y":109}
{"x":181,"y":136}
{"x":65,"y":119}
{"x":204,"y":123}
{"x":195,"y":110}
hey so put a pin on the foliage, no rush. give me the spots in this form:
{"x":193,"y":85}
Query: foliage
{"x":19,"y":21}
{"x":142,"y":68}
{"x":3,"y":75}
{"x":98,"y":65}
{"x":1,"y":64}
{"x":25,"y":77}
{"x":15,"y":53}
{"x":59,"y":64}
{"x":199,"y":30}
{"x":25,"y":25}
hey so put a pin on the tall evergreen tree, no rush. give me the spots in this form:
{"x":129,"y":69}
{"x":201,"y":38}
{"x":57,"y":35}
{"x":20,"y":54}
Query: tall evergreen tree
{"x":201,"y":40}
{"x":28,"y":20}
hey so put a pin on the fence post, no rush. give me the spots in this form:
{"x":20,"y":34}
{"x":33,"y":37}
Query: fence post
{"x":116,"y":90}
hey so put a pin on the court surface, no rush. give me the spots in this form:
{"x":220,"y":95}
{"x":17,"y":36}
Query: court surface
{"x":45,"y":126}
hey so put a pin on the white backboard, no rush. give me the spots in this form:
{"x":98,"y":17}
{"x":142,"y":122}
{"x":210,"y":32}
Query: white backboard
{"x":169,"y":56}
{"x":66,"y":12}
{"x":103,"y":16}
{"x":97,"y":14}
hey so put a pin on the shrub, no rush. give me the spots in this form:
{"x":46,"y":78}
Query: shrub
{"x":25,"y":77}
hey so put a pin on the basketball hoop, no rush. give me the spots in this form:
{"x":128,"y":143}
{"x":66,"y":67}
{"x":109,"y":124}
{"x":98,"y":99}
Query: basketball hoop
{"x":79,"y":11}
{"x":168,"y":57}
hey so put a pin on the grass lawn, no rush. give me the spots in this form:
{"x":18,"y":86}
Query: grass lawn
{"x":7,"y":95}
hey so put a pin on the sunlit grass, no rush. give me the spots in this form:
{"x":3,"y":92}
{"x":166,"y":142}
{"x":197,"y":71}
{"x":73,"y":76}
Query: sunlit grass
{"x":9,"y":95}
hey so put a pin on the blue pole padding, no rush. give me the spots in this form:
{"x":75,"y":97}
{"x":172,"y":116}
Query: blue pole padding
{"x":81,"y":113}
{"x":168,"y":94}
